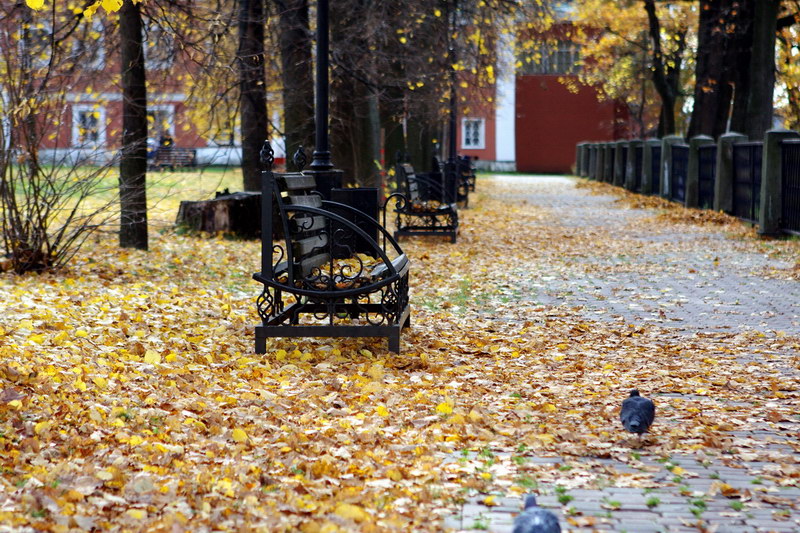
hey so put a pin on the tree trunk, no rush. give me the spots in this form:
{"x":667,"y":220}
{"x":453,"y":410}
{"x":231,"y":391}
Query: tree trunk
{"x":762,"y":69}
{"x":298,"y":82}
{"x":739,"y":59}
{"x":666,"y":71}
{"x":133,"y":161}
{"x":712,"y":91}
{"x":253,"y":89}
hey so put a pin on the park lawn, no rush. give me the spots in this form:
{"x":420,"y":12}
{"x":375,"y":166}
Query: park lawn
{"x":130,"y":396}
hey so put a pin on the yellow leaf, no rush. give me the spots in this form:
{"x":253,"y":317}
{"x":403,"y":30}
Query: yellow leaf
{"x":41,"y":426}
{"x":138,"y":514}
{"x":101,"y":382}
{"x":381,"y":410}
{"x":444,"y":408}
{"x":457,"y":419}
{"x":170,"y":358}
{"x":549,"y":408}
{"x":112,"y":5}
{"x":135,"y":440}
{"x":38,"y":338}
{"x":678,"y":471}
{"x":35,"y":4}
{"x":152,"y":357}
{"x":394,"y":475}
{"x":238,"y":435}
{"x":352,"y":512}
{"x":80,"y":385}
{"x":546,"y":438}
{"x":81,"y":333}
{"x":490,"y":501}
{"x":16,"y":404}
{"x":26,"y":324}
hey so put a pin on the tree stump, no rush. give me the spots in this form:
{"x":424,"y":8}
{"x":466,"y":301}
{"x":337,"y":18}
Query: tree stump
{"x":237,"y":214}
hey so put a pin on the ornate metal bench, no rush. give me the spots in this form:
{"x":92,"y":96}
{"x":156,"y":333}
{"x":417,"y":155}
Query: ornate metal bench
{"x":426,"y":208}
{"x":467,"y":171}
{"x":315,"y":285}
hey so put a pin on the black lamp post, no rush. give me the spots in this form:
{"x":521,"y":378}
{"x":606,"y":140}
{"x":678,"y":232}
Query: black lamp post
{"x":321,"y":166}
{"x":322,"y":154}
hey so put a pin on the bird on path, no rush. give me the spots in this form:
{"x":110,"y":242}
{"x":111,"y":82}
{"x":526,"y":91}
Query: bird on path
{"x":637,"y":413}
{"x":534,"y":519}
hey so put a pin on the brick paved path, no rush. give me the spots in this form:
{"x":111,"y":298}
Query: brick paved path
{"x":699,"y":282}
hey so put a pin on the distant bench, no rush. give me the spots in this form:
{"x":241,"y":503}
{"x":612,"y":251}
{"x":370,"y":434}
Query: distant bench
{"x":175,"y":158}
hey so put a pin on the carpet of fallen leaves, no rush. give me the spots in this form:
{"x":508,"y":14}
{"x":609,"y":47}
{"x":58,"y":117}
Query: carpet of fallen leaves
{"x":131,"y":399}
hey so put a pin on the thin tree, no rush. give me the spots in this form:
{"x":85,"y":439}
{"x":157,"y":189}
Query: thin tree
{"x":666,"y":69}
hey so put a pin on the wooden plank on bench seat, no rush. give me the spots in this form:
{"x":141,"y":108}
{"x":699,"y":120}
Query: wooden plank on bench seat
{"x":307,"y":245}
{"x":305,"y":200}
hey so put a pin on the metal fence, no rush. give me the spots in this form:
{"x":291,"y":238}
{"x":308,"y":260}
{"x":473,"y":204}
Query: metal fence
{"x":638,"y":158}
{"x":680,"y":170}
{"x":747,"y":180}
{"x":655,"y":166}
{"x":790,"y":185}
{"x":707,"y":170}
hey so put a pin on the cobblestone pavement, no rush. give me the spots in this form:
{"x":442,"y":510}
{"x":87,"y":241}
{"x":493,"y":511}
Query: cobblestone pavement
{"x":700,"y":282}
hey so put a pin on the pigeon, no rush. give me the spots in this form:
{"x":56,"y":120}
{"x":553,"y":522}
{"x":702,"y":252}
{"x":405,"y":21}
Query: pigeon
{"x":637,"y":413}
{"x":534,"y":519}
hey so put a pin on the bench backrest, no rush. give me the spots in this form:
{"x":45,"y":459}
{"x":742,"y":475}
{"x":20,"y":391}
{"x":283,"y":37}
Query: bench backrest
{"x":412,"y":185}
{"x":307,"y":235}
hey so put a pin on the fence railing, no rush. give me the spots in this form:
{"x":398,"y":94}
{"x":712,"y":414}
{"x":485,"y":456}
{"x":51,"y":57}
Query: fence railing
{"x":747,"y":180}
{"x":790,"y":185}
{"x":638,"y":158}
{"x":680,"y":169}
{"x":703,"y":174}
{"x":707,"y":170}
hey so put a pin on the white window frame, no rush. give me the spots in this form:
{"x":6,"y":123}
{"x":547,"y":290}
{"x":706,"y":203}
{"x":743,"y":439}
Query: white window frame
{"x":170,"y":109}
{"x":77,"y":109}
{"x":97,"y":61}
{"x":481,"y":144}
{"x":155,"y":37}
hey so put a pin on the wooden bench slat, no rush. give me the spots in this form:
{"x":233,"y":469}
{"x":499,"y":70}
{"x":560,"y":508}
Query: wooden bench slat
{"x":298,"y":182}
{"x":305,"y":200}
{"x":309,"y":244}
{"x":308,"y":224}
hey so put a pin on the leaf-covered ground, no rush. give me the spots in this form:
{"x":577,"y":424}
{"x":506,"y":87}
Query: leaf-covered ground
{"x":131,"y":399}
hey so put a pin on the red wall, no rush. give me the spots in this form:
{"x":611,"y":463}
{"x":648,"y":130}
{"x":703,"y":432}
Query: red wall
{"x":550,"y":121}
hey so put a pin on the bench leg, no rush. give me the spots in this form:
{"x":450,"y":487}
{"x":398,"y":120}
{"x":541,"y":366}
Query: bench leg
{"x":394,"y":342}
{"x":407,"y":323}
{"x":261,"y":344}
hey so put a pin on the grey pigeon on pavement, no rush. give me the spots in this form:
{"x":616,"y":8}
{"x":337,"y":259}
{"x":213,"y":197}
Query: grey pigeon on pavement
{"x":637,"y":413}
{"x":534,"y":519}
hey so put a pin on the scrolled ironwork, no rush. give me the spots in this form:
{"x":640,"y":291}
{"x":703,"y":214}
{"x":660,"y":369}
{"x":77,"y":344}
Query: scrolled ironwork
{"x":267,"y":155}
{"x":300,"y":159}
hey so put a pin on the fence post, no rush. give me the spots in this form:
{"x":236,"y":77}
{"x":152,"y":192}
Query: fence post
{"x":666,"y":162}
{"x":610,"y":161}
{"x":619,"y":163}
{"x":723,"y":185}
{"x":630,"y":164}
{"x":598,"y":162}
{"x":693,"y":169}
{"x":771,"y":209}
{"x":578,"y":158}
{"x":647,"y":165}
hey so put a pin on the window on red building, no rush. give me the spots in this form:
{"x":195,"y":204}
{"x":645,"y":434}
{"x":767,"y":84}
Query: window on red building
{"x":88,"y":126}
{"x":473,"y":134}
